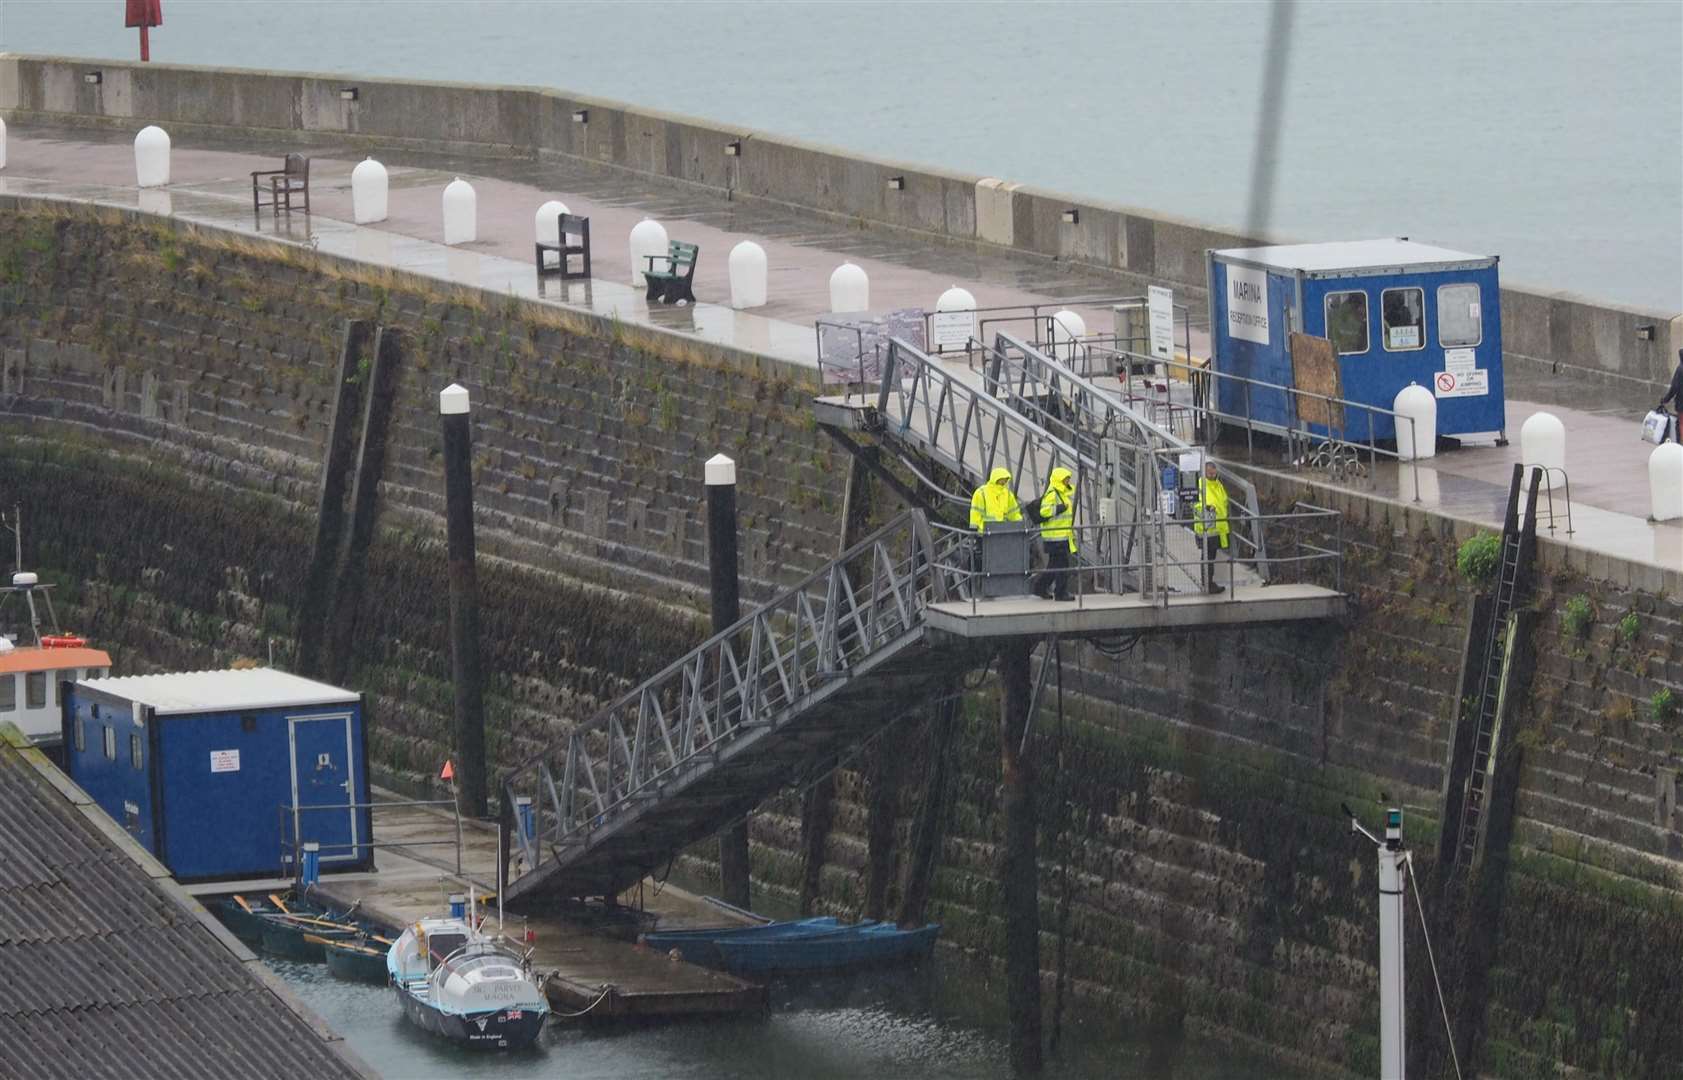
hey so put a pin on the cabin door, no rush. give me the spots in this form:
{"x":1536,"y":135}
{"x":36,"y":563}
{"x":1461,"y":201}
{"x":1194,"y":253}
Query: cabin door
{"x":321,"y":779}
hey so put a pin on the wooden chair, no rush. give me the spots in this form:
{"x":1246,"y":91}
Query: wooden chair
{"x":284,"y":184}
{"x":673,"y":284}
{"x":569,"y":228}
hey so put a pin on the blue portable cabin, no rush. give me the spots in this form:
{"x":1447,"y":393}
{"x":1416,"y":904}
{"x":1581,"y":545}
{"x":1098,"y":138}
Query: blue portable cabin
{"x":1397,"y":312}
{"x":211,"y":771}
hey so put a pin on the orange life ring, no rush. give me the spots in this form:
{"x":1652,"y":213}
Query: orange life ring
{"x":63,"y":641}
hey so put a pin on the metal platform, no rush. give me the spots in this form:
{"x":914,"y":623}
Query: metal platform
{"x":1106,"y":614}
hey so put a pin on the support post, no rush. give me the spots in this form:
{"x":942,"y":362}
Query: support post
{"x":1020,"y":871}
{"x":465,"y":673}
{"x":720,"y":477}
{"x":1392,"y":995}
{"x":926,"y":827}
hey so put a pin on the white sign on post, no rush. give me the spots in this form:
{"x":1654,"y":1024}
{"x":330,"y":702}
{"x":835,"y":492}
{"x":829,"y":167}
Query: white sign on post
{"x":1247,"y":304}
{"x":1459,"y":361}
{"x":951,"y":329}
{"x":224,"y":761}
{"x":1160,"y":305}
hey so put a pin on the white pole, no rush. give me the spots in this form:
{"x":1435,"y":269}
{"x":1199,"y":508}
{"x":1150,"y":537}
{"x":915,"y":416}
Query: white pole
{"x":1391,"y":983}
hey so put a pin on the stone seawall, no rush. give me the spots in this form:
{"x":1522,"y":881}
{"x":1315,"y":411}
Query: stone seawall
{"x":1541,"y":331}
{"x":164,"y":400}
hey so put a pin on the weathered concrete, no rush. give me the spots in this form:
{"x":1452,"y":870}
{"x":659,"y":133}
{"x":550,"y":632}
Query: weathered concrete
{"x":1542,"y":331}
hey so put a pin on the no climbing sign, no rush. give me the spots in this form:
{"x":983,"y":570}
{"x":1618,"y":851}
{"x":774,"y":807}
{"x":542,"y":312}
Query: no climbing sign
{"x":1475,"y":383}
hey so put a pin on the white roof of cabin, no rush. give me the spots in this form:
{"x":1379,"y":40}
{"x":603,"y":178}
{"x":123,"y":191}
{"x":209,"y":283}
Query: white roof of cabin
{"x":222,"y":691}
{"x":1348,"y":255}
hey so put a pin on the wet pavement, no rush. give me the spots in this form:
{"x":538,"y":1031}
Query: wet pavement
{"x":1606,"y":461}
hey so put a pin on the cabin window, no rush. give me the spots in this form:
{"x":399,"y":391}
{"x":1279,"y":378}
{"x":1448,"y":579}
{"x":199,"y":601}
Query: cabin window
{"x":134,"y":750}
{"x":81,"y":735}
{"x":1403,"y":312}
{"x":1347,"y":321}
{"x":35,"y":690}
{"x":1460,"y":320}
{"x":110,"y":743}
{"x":8,"y":693}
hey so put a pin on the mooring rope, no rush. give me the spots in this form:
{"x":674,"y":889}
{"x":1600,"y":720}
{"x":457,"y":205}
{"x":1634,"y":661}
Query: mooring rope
{"x":1443,"y":1006}
{"x":607,"y":988}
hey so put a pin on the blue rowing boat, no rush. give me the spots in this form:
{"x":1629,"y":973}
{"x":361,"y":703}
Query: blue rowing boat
{"x":845,"y":948}
{"x":700,"y":945}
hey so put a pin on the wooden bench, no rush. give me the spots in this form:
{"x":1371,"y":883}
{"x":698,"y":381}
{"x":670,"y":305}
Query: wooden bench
{"x":673,"y":284}
{"x":293,"y":178}
{"x":569,"y":227}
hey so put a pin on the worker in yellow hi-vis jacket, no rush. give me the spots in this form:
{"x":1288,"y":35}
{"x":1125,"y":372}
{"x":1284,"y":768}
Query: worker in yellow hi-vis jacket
{"x":1209,"y":522}
{"x":1056,"y":510}
{"x":994,"y":501}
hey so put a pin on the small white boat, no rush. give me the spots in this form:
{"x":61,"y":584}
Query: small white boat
{"x":473,"y":989}
{"x":35,"y":655}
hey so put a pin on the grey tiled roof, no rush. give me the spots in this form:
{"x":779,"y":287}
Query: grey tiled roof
{"x":105,"y":972}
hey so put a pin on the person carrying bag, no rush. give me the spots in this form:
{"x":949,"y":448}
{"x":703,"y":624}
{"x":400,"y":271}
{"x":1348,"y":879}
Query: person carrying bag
{"x":1673,"y":397}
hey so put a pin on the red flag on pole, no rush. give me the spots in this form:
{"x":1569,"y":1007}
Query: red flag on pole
{"x":448,"y":772}
{"x":144,"y":14}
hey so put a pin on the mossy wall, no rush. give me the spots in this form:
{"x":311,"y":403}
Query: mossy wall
{"x":164,"y":401}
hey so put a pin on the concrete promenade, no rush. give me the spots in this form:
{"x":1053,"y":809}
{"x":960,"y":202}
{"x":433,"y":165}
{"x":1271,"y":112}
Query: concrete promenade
{"x":211,"y":186}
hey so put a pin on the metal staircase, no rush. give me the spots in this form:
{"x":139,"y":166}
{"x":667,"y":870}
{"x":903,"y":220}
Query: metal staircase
{"x":776,"y":698}
{"x":1518,"y":544}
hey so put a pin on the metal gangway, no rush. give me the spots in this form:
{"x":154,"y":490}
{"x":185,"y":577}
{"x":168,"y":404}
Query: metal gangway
{"x":779,"y":697}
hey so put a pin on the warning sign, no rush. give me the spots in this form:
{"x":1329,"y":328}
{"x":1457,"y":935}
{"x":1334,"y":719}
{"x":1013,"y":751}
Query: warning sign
{"x":1460,"y":361}
{"x":1450,"y":384}
{"x":224,"y":761}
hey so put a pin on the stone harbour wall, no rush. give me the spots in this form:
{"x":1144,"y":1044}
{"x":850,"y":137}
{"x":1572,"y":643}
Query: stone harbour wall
{"x":165,"y":396}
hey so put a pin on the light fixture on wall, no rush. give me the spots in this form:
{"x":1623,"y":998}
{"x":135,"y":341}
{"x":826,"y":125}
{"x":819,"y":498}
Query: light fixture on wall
{"x":733,"y":148}
{"x":93,"y":78}
{"x":581,"y":116}
{"x":1645,"y":333}
{"x":896,"y":183}
{"x":1072,"y":217}
{"x":347,"y":93}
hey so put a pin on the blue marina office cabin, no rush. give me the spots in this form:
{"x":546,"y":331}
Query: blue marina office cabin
{"x":1396,"y":312}
{"x":216,"y":772}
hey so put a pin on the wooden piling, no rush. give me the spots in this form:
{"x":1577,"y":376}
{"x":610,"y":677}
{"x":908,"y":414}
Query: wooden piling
{"x":1019,"y":872}
{"x":725,"y":588}
{"x":466,"y":673}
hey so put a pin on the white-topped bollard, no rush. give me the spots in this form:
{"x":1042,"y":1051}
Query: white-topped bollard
{"x":369,"y":192}
{"x":1665,"y":482}
{"x":461,"y":212}
{"x":2,"y":144}
{"x":1419,"y":439}
{"x":956,"y":299}
{"x":850,"y":289}
{"x":648,"y":237}
{"x":954,"y":324}
{"x":546,"y":224}
{"x":1068,"y":329}
{"x":1542,"y":442}
{"x":151,"y":157}
{"x":747,"y":275}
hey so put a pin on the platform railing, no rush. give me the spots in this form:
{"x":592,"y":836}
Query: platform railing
{"x":1307,"y":544}
{"x":757,"y":673}
{"x":292,"y":839}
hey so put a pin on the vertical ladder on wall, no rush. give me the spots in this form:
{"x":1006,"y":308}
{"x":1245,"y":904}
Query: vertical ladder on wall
{"x":1518,"y":542}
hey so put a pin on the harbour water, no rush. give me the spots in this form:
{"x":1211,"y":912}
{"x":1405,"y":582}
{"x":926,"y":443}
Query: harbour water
{"x":928,"y":1023}
{"x":1544,"y":132}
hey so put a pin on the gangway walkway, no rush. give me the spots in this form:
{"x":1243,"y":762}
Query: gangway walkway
{"x":784,"y":695}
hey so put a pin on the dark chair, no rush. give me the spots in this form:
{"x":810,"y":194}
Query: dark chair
{"x":284,"y":184}
{"x":568,"y":229}
{"x":673,"y":284}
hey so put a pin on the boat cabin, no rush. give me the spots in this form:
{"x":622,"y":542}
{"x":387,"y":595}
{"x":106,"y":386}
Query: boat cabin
{"x":35,"y":657}
{"x":1395,"y":312}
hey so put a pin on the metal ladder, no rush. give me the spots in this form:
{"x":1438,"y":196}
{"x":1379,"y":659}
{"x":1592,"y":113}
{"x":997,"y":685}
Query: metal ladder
{"x":1518,"y":542}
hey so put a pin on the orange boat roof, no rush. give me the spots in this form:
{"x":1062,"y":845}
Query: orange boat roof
{"x":30,"y":658}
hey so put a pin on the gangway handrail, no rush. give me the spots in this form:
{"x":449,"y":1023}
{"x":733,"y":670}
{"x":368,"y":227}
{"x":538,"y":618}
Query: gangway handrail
{"x":750,"y":675}
{"x":1107,"y":412}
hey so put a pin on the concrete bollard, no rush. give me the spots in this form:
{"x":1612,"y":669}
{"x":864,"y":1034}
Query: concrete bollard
{"x":461,"y":213}
{"x":546,"y":223}
{"x":1417,"y":403}
{"x":747,"y":275}
{"x":2,"y":144}
{"x":648,"y":237}
{"x":1068,"y":329}
{"x":1665,"y":482}
{"x":370,"y":189}
{"x":850,"y":289}
{"x":1542,"y":442}
{"x":151,"y":157}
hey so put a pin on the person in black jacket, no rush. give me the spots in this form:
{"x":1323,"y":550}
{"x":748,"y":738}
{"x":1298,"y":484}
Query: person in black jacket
{"x":1674,"y":395}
